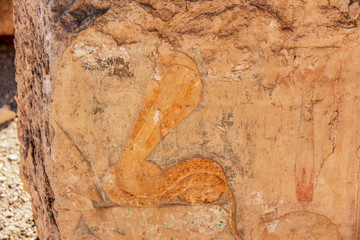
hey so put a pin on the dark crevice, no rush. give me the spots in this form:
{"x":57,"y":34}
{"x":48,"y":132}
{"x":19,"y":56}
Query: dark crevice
{"x":146,"y":5}
{"x":79,"y":16}
{"x":215,"y":13}
{"x":273,"y":13}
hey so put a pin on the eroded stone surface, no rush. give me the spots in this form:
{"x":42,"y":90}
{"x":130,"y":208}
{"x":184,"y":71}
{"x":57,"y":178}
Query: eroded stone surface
{"x":297,"y":225}
{"x":274,"y":127}
{"x":167,"y":222}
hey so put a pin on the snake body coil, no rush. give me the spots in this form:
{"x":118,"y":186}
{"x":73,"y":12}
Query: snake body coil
{"x":173,"y":93}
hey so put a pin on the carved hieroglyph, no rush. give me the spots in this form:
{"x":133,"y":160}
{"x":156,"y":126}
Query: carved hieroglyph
{"x":174,"y":92}
{"x":162,"y":134}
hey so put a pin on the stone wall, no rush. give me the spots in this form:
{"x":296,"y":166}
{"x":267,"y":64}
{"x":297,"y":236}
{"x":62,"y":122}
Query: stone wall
{"x":190,"y":119}
{"x":32,"y":66}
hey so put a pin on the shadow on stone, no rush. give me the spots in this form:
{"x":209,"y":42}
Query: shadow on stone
{"x":7,"y":73}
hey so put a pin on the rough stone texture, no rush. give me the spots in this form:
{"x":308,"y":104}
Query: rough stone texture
{"x":32,"y":67}
{"x":190,"y":119}
{"x":354,"y":11}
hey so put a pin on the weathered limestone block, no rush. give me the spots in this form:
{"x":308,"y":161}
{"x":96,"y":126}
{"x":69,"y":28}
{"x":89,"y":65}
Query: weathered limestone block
{"x":190,"y":119}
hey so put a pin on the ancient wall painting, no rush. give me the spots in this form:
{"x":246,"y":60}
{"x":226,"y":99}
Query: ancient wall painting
{"x":173,"y":92}
{"x":161,"y":146}
{"x":305,"y":152}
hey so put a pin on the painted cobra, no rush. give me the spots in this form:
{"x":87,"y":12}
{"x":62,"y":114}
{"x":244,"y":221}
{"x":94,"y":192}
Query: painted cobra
{"x":173,"y":93}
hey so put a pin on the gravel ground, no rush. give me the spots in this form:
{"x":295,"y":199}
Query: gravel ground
{"x":16,"y":219}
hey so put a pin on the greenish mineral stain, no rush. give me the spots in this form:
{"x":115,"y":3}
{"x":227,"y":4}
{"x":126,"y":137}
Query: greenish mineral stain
{"x":218,"y":226}
{"x":122,"y":232}
{"x":127,"y":213}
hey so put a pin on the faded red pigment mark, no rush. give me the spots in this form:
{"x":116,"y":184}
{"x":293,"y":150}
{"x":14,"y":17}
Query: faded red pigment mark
{"x":305,"y":155}
{"x":304,"y":187}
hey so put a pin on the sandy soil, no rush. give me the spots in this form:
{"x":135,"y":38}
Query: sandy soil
{"x":16,"y":219}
